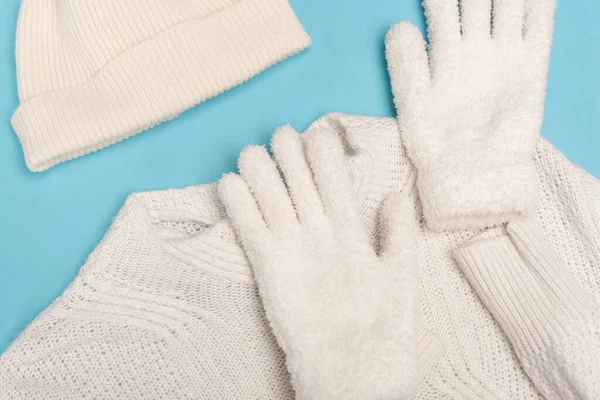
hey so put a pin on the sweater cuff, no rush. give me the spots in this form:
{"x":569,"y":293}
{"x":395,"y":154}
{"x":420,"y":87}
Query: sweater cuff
{"x":190,"y":63}
{"x":477,"y":192}
{"x":524,"y":284}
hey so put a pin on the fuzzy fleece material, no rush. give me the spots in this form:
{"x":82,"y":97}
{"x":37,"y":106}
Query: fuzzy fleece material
{"x":346,"y":316}
{"x":551,"y":321}
{"x":470,"y":107}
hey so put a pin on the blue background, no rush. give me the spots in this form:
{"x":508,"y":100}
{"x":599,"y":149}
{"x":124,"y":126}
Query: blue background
{"x":51,"y":221}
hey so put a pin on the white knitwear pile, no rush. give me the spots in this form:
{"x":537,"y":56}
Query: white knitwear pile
{"x":479,"y":361}
{"x":470,"y":109}
{"x":164,"y":243}
{"x":346,"y":317}
{"x":93,"y":73}
{"x":166,"y":306}
{"x":551,"y":321}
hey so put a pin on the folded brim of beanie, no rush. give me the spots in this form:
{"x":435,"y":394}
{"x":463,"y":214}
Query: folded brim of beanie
{"x":158,"y":79}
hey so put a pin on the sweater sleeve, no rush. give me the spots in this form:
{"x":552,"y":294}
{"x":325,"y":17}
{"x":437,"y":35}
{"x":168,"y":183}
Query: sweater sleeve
{"x":552,"y":323}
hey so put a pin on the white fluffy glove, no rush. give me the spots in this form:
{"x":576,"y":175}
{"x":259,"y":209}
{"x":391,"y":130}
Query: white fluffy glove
{"x":346,"y":317}
{"x":471,"y":113}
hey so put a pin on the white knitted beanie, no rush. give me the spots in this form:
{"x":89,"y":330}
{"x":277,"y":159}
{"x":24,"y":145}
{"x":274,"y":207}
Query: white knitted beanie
{"x":92,"y":73}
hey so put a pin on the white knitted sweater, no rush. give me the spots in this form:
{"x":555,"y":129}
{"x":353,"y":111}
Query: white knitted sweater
{"x":167,"y":302}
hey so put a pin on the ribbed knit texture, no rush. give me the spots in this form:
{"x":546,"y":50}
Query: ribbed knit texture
{"x":478,"y":361}
{"x":551,"y":321}
{"x":93,"y":73}
{"x":429,"y":351}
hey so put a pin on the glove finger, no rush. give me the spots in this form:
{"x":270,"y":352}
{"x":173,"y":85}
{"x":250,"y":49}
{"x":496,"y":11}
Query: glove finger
{"x":265,"y":183}
{"x":508,"y":19}
{"x":325,"y":153}
{"x":242,"y":209}
{"x":539,"y":26}
{"x":408,"y":65}
{"x":398,"y":225}
{"x":288,"y":151}
{"x":443,"y":22}
{"x":476,"y":18}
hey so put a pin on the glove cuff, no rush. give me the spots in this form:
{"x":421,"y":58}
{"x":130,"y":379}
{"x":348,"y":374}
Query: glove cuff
{"x":470,"y":193}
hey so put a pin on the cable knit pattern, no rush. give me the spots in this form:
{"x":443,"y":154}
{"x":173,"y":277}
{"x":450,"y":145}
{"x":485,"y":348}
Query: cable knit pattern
{"x":551,"y":321}
{"x":478,"y":361}
{"x":470,"y":108}
{"x":165,"y":307}
{"x":93,"y":73}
